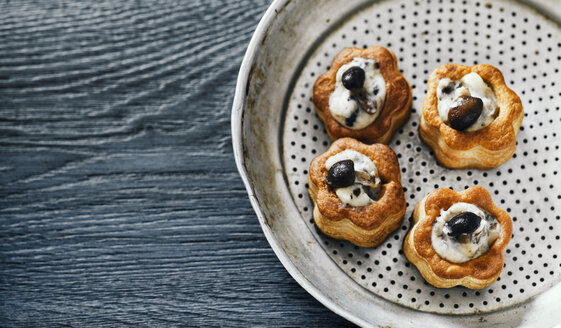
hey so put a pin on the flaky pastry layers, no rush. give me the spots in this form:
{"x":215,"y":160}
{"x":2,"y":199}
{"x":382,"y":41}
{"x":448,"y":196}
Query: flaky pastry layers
{"x":477,"y":273}
{"x":365,"y":226}
{"x":397,"y":103}
{"x":486,"y":148}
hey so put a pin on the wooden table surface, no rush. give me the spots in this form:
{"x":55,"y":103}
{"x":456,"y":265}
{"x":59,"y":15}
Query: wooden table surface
{"x":120,"y":201}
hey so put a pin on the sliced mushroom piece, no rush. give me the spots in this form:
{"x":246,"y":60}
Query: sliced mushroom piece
{"x":370,"y":187}
{"x":372,"y":193}
{"x":366,"y":103}
{"x":464,"y":238}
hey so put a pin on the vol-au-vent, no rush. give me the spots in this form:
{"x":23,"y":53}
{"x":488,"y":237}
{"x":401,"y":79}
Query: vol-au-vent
{"x":362,"y":95}
{"x":458,"y":238}
{"x":356,"y":192}
{"x":470,"y":117}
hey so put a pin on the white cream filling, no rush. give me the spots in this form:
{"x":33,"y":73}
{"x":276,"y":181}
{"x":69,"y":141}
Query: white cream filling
{"x":362,"y":164}
{"x":477,"y":244}
{"x":344,"y":108}
{"x":469,"y":85}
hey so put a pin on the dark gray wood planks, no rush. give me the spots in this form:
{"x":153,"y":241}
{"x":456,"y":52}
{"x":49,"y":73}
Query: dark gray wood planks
{"x":120,"y":201}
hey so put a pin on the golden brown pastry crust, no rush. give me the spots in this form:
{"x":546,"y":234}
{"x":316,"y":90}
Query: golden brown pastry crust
{"x":476,"y":273}
{"x":365,"y":226}
{"x":486,"y":148}
{"x":396,"y":107}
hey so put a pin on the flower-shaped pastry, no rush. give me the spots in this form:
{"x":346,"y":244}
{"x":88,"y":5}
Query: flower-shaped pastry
{"x":458,"y":238}
{"x":363,"y":95}
{"x":470,"y":117}
{"x":356,"y":191}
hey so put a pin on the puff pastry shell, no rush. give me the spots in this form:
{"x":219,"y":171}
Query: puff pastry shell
{"x":365,"y":226}
{"x":396,"y":109}
{"x":486,"y":148}
{"x":477,"y":273}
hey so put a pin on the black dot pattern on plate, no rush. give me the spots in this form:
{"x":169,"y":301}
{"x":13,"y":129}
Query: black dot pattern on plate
{"x":425,"y":35}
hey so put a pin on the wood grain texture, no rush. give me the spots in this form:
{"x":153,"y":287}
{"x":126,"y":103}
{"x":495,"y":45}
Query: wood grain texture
{"x":120,"y":203}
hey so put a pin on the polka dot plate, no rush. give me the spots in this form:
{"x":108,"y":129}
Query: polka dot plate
{"x":276,"y":133}
{"x":425,"y":35}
